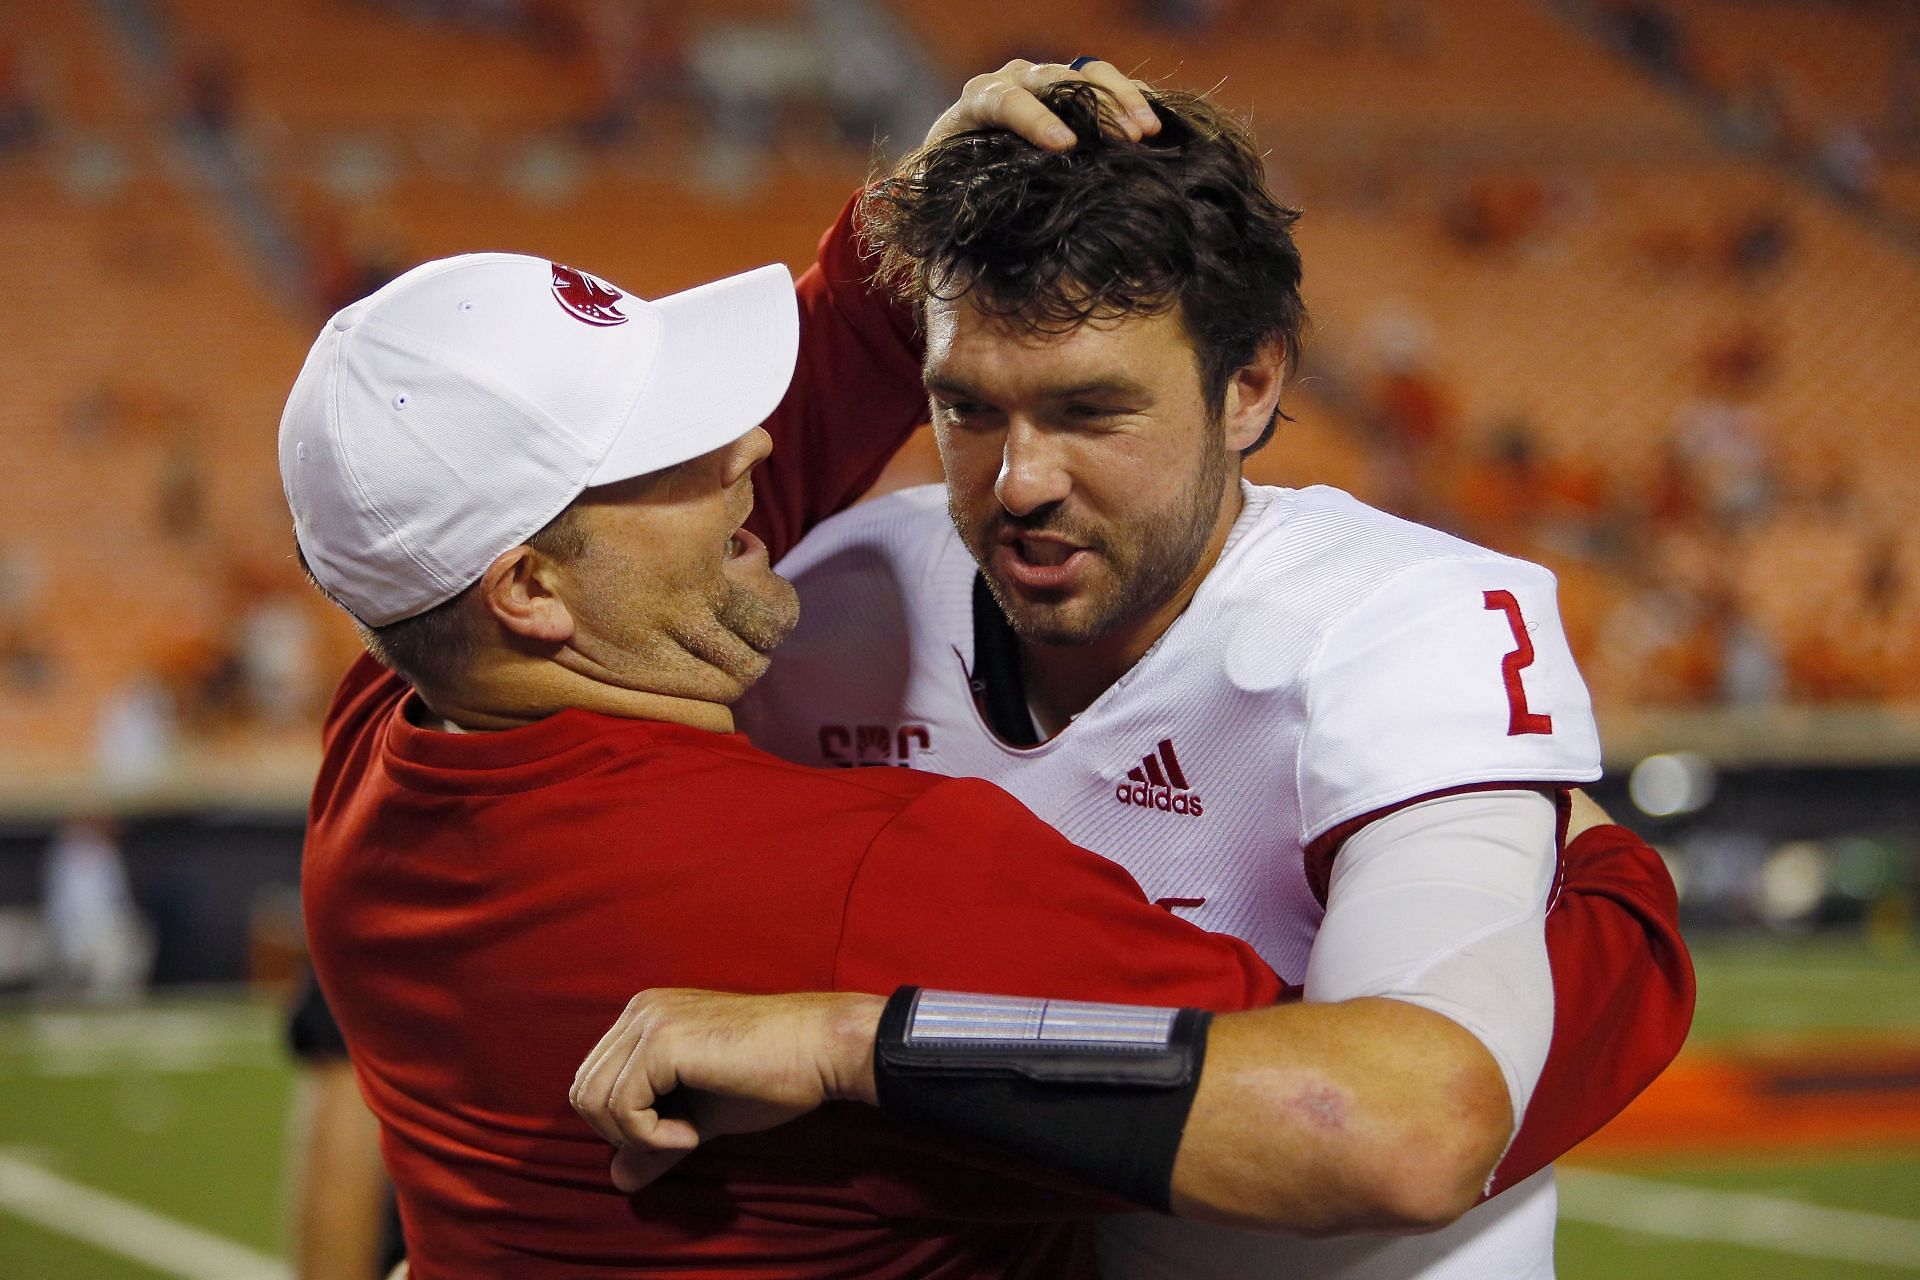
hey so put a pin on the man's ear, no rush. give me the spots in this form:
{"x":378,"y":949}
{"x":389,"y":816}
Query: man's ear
{"x":518,"y":590}
{"x":1253,"y":394}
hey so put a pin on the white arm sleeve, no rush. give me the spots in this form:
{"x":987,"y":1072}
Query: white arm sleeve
{"x":1443,"y":904}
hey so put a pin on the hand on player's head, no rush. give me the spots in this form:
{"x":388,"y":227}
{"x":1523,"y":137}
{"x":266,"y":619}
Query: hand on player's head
{"x":1009,"y":99}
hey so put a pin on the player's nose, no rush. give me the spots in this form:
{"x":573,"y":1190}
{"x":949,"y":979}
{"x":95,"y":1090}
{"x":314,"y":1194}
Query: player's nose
{"x":1032,"y":474}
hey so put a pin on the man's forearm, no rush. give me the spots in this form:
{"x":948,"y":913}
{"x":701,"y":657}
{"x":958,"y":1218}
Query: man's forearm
{"x":1368,"y":1115}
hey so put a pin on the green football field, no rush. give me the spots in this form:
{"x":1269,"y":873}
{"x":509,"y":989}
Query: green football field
{"x":147,"y":1142}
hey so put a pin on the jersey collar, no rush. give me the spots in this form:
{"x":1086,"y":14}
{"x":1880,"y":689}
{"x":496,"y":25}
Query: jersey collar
{"x":999,"y":687}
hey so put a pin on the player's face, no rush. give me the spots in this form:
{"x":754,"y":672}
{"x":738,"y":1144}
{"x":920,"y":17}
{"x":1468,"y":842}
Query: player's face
{"x":668,"y":574}
{"x":1084,"y":471}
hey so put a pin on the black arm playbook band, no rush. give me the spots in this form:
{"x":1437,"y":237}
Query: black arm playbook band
{"x":1100,"y":1091}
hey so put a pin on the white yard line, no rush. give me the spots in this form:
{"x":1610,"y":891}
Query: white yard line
{"x":1739,"y":1217}
{"x":1645,"y":1205}
{"x":122,"y":1227}
{"x":80,"y":1043}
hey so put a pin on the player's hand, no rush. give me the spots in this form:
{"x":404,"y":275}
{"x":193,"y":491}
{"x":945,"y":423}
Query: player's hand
{"x":1584,"y":815}
{"x":683,"y":1066}
{"x":1005,"y":99}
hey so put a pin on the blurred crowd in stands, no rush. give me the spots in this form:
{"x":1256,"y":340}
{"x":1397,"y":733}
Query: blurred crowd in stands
{"x":1713,"y":566}
{"x":1763,"y":100}
{"x":21,"y":120}
{"x":1680,"y":544}
{"x":250,"y":653}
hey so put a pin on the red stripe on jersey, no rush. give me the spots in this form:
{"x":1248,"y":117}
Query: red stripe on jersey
{"x":1173,"y":764}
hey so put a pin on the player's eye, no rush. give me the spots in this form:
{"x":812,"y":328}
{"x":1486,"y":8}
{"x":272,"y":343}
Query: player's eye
{"x":960,"y":411}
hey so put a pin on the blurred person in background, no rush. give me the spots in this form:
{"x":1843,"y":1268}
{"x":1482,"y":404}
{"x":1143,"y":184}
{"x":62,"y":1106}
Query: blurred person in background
{"x":210,"y":90}
{"x":1903,"y":98}
{"x":640,"y":56}
{"x":27,"y":661}
{"x":1652,"y":33}
{"x":136,"y":733}
{"x":21,"y":119}
{"x":343,"y":1220}
{"x":1848,"y":161}
{"x":1723,"y":435}
{"x":102,"y":947}
{"x":277,"y":656}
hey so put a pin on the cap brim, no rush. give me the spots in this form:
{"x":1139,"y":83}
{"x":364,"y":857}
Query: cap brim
{"x":724,"y":362}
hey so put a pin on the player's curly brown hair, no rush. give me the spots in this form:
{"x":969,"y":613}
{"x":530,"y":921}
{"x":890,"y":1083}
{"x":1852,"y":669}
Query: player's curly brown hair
{"x":1111,"y":227}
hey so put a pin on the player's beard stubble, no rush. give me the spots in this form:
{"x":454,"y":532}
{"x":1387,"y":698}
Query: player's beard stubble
{"x":1141,"y":561}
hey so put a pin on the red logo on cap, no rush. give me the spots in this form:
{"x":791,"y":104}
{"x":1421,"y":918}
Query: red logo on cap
{"x":586,"y":299}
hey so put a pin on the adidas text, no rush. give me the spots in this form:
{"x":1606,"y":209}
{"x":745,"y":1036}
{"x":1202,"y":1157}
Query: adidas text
{"x":1165,"y":799}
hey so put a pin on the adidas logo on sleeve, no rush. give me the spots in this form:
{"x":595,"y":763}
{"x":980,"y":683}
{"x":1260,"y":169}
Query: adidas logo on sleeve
{"x":1158,"y":782}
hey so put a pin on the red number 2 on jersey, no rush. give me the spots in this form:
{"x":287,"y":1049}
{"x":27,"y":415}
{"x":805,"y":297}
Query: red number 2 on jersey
{"x":1519,"y":719}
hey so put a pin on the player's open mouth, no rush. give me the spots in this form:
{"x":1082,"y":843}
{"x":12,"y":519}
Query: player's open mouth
{"x":1041,"y":563}
{"x":743,"y":543}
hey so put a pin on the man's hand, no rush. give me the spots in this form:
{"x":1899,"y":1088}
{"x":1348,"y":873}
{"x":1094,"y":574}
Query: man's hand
{"x":740,"y":1064}
{"x":1005,"y":99}
{"x":1584,"y":815}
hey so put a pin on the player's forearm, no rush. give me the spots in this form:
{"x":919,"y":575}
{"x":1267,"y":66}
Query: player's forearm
{"x":1434,"y":932}
{"x":1370,"y":1115}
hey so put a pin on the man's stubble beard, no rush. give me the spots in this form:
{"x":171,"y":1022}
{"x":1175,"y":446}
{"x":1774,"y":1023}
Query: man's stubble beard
{"x":760,"y":618}
{"x":743,"y":627}
{"x":1147,"y":563}
{"x":707,"y":637}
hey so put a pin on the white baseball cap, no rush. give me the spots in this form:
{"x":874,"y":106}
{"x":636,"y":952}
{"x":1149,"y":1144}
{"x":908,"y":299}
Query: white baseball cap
{"x":446,"y":418}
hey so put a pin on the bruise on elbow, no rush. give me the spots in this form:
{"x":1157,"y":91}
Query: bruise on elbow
{"x":1322,"y":1107}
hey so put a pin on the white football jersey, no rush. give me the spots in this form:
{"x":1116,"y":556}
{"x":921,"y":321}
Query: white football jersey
{"x":1335,"y":662}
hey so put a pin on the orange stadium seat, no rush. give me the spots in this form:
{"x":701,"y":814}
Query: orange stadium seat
{"x":1834,"y":61}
